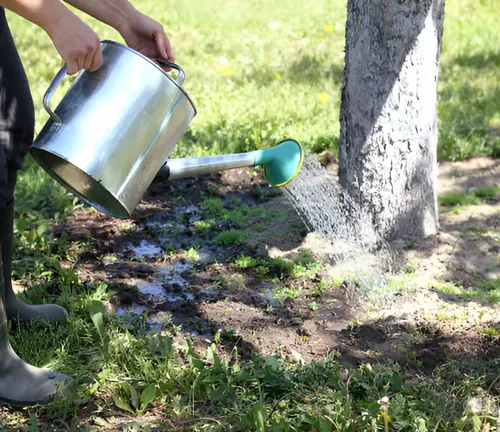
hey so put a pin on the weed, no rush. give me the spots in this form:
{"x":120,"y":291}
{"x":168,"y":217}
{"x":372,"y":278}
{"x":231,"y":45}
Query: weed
{"x":214,"y":207}
{"x":409,"y":268}
{"x":281,"y":293}
{"x":240,"y":216}
{"x":244,"y":261}
{"x":490,"y":285}
{"x":306,"y":264}
{"x":203,"y":226}
{"x":263,"y":193}
{"x":231,"y":282}
{"x":231,"y":237}
{"x":213,"y":190}
{"x":490,"y":333}
{"x":277,"y":267}
{"x":485,"y":192}
{"x":192,"y":255}
{"x":399,"y":282}
{"x":318,"y":291}
{"x":455,"y":200}
{"x":488,"y":290}
{"x":126,"y":226}
{"x":260,"y":227}
{"x":452,"y":199}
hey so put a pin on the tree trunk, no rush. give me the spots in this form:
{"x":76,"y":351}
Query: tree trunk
{"x":388,"y":119}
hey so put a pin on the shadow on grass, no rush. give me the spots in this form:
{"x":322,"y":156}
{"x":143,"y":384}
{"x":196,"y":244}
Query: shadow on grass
{"x":478,"y":60}
{"x":306,"y":70}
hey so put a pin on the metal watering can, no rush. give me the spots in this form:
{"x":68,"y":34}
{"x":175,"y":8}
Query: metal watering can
{"x":114,"y":129}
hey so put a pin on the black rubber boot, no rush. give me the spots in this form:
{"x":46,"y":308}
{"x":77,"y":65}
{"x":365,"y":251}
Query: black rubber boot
{"x":22,"y":384}
{"x":17,"y":310}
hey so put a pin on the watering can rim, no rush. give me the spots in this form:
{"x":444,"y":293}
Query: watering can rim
{"x":120,"y":45}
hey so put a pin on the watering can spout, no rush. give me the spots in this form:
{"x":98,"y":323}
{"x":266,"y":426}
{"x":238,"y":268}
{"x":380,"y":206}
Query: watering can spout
{"x":281,"y":163}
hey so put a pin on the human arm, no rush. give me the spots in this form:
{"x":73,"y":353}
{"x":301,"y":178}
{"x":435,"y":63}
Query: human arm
{"x":139,"y":31}
{"x":75,"y":41}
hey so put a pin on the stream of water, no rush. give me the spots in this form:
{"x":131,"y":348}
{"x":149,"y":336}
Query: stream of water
{"x":326,"y":208}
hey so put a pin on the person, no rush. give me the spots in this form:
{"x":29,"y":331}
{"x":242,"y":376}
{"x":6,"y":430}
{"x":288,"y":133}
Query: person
{"x":22,"y":384}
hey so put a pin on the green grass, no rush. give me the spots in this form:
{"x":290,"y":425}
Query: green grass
{"x":233,"y":54}
{"x":486,"y":192}
{"x":469,"y":83}
{"x":119,"y":365}
{"x":453,"y":201}
{"x":204,"y":226}
{"x":488,"y":291}
{"x":302,"y":265}
{"x":138,"y":371}
{"x":214,"y":207}
{"x":231,"y":237}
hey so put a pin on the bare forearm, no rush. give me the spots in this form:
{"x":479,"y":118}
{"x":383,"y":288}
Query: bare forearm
{"x":44,"y":13}
{"x":115,"y":13}
{"x":78,"y":44}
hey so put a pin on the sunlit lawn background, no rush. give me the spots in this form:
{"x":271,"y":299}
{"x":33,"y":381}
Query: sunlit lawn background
{"x":260,"y":71}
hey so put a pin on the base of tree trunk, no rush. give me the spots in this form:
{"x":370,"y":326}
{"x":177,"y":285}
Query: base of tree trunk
{"x":388,"y":137}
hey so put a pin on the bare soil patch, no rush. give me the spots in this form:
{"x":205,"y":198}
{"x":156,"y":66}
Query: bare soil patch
{"x":166,"y":263}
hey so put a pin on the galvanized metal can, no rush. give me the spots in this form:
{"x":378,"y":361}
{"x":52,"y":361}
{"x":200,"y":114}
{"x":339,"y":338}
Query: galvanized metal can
{"x":114,"y":129}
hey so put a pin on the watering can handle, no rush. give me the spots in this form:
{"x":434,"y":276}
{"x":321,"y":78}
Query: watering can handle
{"x":181,"y":77}
{"x":56,"y":82}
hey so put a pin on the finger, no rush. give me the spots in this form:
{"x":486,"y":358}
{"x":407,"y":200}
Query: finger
{"x":97,"y":61}
{"x":79,"y":63}
{"x":161,"y":48}
{"x":71,"y":67}
{"x":170,"y":51}
{"x":89,"y":59}
{"x":161,"y":42}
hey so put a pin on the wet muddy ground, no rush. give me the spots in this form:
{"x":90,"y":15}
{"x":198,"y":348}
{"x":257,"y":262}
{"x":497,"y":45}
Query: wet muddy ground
{"x":227,"y":256}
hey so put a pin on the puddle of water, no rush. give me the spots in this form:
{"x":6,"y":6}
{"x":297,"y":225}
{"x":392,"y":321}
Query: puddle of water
{"x":172,"y":298}
{"x":190,"y":326}
{"x":168,"y":285}
{"x":135,"y":310}
{"x":202,"y":327}
{"x":267,"y":292}
{"x":153,"y":290}
{"x":145,"y":248}
{"x":208,"y":292}
{"x":190,"y":209}
{"x":166,"y":226}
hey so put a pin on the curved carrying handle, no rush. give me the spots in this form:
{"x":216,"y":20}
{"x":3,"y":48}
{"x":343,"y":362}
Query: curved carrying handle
{"x":56,"y":82}
{"x":182,"y":75}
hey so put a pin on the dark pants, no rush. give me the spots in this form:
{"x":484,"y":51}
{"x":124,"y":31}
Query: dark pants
{"x":17,"y":115}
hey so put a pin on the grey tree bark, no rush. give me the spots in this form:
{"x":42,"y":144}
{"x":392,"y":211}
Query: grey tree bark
{"x":388,"y":120}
